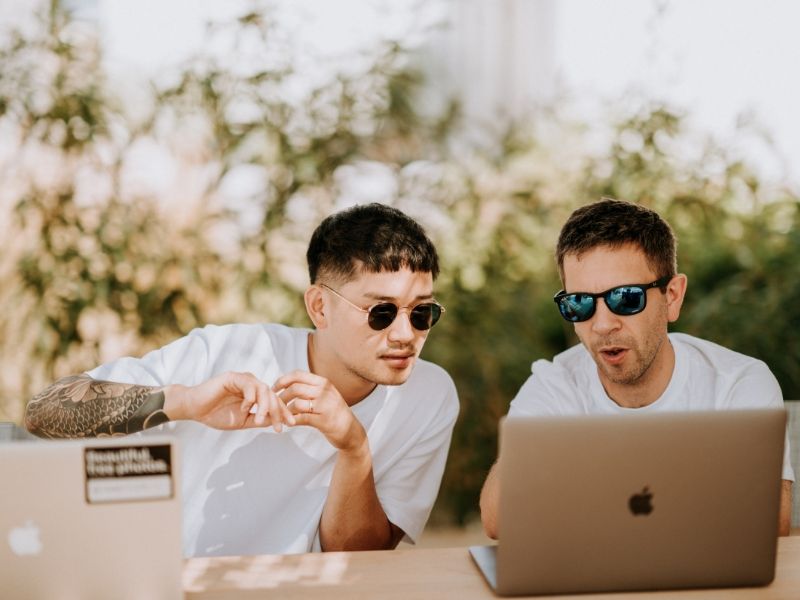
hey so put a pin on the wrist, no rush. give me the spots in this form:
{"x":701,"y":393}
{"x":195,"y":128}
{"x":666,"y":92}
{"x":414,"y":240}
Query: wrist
{"x":357,"y":448}
{"x":175,"y":402}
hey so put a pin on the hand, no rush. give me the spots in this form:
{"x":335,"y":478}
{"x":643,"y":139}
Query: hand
{"x":315,"y":401}
{"x":225,"y":401}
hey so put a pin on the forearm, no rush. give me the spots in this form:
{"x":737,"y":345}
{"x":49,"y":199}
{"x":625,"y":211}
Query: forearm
{"x":353,"y":518}
{"x":79,"y":406}
{"x":490,"y":499}
{"x":785,"y":515}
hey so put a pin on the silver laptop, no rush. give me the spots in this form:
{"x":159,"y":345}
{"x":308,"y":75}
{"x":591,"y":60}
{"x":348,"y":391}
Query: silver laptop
{"x":89,"y":519}
{"x":636,"y":502}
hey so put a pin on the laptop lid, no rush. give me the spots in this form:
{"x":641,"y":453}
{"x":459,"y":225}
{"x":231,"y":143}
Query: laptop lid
{"x":90,"y":519}
{"x":638,"y":502}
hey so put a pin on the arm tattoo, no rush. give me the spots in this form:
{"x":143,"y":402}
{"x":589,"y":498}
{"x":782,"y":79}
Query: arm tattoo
{"x":79,"y":406}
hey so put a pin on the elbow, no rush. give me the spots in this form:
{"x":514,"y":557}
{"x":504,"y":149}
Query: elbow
{"x":785,"y":513}
{"x":365,"y":538}
{"x":490,"y":530}
{"x":489,"y":503}
{"x":489,"y":515}
{"x":489,"y":522}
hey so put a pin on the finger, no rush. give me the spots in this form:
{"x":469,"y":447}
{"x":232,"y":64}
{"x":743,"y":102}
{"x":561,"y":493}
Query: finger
{"x":271,"y":407}
{"x":303,"y":406}
{"x":300,"y":390}
{"x":297,"y":376}
{"x":242,"y":385}
{"x":267,"y":408}
{"x":249,"y":395}
{"x":247,"y":405}
{"x":285,"y":413}
{"x":263,"y":410}
{"x":250,"y":421}
{"x":251,"y":390}
{"x":308,"y":419}
{"x":278,"y":412}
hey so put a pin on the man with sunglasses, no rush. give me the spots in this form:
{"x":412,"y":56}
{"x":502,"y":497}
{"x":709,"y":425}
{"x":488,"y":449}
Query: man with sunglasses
{"x":293,"y":439}
{"x":617,"y":262}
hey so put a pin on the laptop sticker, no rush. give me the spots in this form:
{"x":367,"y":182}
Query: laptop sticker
{"x":125,"y":473}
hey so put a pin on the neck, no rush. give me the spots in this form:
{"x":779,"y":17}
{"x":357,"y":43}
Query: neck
{"x":351,"y":386}
{"x":649,"y":386}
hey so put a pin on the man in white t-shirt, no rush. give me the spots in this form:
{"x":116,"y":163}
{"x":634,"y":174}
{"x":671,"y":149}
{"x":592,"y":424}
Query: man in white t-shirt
{"x":625,"y":255}
{"x":292,"y":439}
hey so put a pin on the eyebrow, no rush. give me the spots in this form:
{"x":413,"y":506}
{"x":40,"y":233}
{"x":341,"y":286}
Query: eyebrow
{"x":383,"y":298}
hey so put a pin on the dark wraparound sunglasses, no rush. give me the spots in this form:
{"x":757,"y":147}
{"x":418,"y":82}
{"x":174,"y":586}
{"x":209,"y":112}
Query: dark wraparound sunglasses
{"x":379,"y":316}
{"x":622,"y":300}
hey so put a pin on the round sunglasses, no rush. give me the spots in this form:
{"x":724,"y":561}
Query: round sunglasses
{"x":379,"y":316}
{"x":622,"y":300}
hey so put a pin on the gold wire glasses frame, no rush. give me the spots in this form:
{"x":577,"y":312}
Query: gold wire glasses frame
{"x":422,"y":316}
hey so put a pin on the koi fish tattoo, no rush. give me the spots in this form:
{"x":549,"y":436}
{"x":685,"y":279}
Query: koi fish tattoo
{"x":79,"y":406}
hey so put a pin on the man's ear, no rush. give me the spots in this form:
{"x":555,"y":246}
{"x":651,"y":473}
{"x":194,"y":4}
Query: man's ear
{"x":315,"y":306}
{"x":676,"y":290}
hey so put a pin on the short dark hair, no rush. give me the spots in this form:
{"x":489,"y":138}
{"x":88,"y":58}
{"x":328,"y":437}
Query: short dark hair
{"x":379,"y":237}
{"x":615,"y":223}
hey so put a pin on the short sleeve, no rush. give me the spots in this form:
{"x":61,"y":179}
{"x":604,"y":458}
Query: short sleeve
{"x":547,"y":392}
{"x":182,"y":361}
{"x":408,"y":487}
{"x":757,"y":387}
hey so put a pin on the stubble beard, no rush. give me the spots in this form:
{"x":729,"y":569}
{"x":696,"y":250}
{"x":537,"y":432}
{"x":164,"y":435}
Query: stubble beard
{"x":379,"y":374}
{"x":637,"y":372}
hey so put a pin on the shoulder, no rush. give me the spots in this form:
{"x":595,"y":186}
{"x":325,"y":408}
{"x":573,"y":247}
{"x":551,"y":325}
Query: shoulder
{"x":557,"y":386}
{"x":574,"y":363}
{"x":707,"y":355}
{"x":731,"y":378}
{"x":209,"y":350}
{"x":243,"y":338}
{"x":245,"y":331}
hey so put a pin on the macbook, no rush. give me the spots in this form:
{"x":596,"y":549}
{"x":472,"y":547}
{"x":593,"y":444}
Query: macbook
{"x":88,"y":520}
{"x":636,"y":502}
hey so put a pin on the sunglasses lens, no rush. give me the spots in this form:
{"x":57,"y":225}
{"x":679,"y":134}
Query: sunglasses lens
{"x":382,"y":315}
{"x":576,"y":307}
{"x":424,"y":316}
{"x":626,"y":300}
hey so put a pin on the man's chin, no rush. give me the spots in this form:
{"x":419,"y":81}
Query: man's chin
{"x":396,"y":379}
{"x":620,"y":376}
{"x":395,"y":376}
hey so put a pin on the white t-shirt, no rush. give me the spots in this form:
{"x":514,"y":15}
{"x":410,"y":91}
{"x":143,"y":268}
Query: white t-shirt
{"x":256,"y":491}
{"x":707,"y":376}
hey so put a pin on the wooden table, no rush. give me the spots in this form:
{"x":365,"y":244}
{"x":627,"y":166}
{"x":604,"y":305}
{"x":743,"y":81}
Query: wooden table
{"x":414,"y":573}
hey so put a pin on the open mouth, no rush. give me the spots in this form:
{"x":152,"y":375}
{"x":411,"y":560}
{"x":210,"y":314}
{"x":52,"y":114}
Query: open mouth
{"x":613,"y":354}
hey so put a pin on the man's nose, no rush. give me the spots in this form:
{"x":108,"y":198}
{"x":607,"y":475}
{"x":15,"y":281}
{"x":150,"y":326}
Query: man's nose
{"x":603,"y":320}
{"x":401,"y":329}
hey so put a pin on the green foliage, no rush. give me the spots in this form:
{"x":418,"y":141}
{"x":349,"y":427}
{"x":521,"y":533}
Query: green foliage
{"x":738,"y":240}
{"x":99,"y":263}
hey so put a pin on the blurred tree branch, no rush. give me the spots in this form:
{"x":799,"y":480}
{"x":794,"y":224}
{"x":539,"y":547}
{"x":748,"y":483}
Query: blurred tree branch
{"x":125,"y":229}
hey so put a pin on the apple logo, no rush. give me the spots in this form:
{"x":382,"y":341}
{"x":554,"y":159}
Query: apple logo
{"x":641,"y":503}
{"x":25,"y":541}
